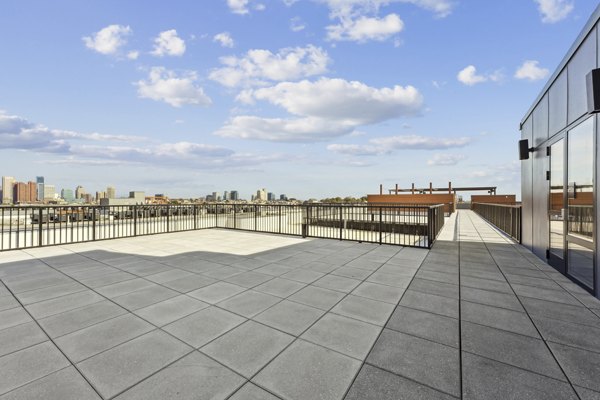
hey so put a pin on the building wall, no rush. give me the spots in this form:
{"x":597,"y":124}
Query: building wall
{"x":436,"y":198}
{"x":509,"y":199}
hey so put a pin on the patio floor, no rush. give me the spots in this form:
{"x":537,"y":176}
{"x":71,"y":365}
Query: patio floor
{"x":219,"y":314}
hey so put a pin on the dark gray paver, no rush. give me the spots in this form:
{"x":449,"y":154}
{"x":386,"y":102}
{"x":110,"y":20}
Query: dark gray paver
{"x":189,"y":283}
{"x":376,"y":384}
{"x":490,"y":298}
{"x":434,"y":287}
{"x":29,"y":364}
{"x":305,"y":371}
{"x":144,"y":297}
{"x":437,"y":328}
{"x":193,"y":377}
{"x":64,"y":303}
{"x":424,"y":361}
{"x":252,"y":392}
{"x":280,"y":287}
{"x":20,"y":336}
{"x":66,"y":384}
{"x":372,"y":311}
{"x":430,"y":303}
{"x":290,"y":317}
{"x":249,"y":279}
{"x":33,"y":296}
{"x":376,"y":291}
{"x":248,"y":348}
{"x":487,"y":379}
{"x":562,"y":312}
{"x":216,"y":292}
{"x":339,"y":283}
{"x":249,"y":303}
{"x":12,"y":317}
{"x":170,"y":310}
{"x":585,"y":337}
{"x":500,"y":318}
{"x":317,"y":297}
{"x":582,"y":367}
{"x":123,"y":366}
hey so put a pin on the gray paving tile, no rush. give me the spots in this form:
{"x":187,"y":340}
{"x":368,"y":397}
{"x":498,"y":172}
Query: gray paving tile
{"x":345,"y":335}
{"x":20,"y":336}
{"x":586,"y":394}
{"x":274,"y":269}
{"x":562,"y":297}
{"x":563,"y":312}
{"x":289,"y":317}
{"x":223,"y":272}
{"x":487,"y":379}
{"x":354,"y":273}
{"x":216,"y":292}
{"x":530,"y":281}
{"x":108,"y":279}
{"x":339,"y":283}
{"x":491,"y":298}
{"x":140,"y":358}
{"x":189,"y":283}
{"x":144,"y":297}
{"x":8,"y":302}
{"x":193,"y":377}
{"x":121,"y":288}
{"x":170,"y":275}
{"x":421,"y":360}
{"x":485,"y":284}
{"x":13,"y":317}
{"x":203,"y":326}
{"x":435,"y":287}
{"x":303,"y":275}
{"x":306,"y":371}
{"x":500,"y":318}
{"x":444,"y":277}
{"x":430,"y":303}
{"x":29,"y":364}
{"x":252,"y":392}
{"x":376,"y":291}
{"x":581,"y":366}
{"x":249,"y":279}
{"x":585,"y":337}
{"x":33,"y":296}
{"x":249,"y":303}
{"x":376,"y":384}
{"x":95,"y":339}
{"x":170,"y":310}
{"x":61,"y":304}
{"x":66,"y":384}
{"x":280,"y":287}
{"x":510,"y":348}
{"x":372,"y":311}
{"x":426,"y":325}
{"x":395,"y":280}
{"x":248,"y":348}
{"x":317,"y":297}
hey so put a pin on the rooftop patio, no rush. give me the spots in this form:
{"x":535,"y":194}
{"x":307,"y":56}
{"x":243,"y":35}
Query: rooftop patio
{"x":221,"y":314}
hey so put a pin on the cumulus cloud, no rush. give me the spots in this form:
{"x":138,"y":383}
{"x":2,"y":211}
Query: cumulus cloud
{"x":133,"y":55}
{"x":322,"y":109}
{"x":470,"y":77}
{"x":441,"y":8}
{"x":242,"y":7}
{"x":176,"y":90}
{"x":167,"y":43}
{"x":108,"y":40}
{"x":531,"y":71}
{"x":446,"y":159}
{"x":224,"y":39}
{"x":364,"y":28}
{"x":297,"y":25}
{"x":554,"y":10}
{"x":390,"y":144}
{"x":258,"y":67}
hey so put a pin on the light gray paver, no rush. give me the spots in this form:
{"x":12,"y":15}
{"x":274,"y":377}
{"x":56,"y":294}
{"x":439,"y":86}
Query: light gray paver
{"x":289,"y":317}
{"x":170,"y":310}
{"x":249,"y":303}
{"x":20,"y":336}
{"x":252,"y":392}
{"x":216,"y":292}
{"x":66,"y":384}
{"x":372,"y":311}
{"x":317,"y":297}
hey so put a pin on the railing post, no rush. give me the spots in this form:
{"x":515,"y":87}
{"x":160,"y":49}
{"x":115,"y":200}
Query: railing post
{"x":168,"y":217}
{"x":40,"y":238}
{"x":280,"y":217}
{"x":195,"y":214}
{"x":380,"y":225}
{"x":234,"y":217}
{"x":256,"y":217}
{"x":341,"y":224}
{"x":135,"y":216}
{"x":93,"y":223}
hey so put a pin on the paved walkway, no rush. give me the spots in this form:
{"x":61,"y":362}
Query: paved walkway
{"x":220,"y":314}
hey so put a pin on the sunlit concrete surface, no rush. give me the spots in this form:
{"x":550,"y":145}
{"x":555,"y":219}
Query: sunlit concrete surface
{"x":218,"y":314}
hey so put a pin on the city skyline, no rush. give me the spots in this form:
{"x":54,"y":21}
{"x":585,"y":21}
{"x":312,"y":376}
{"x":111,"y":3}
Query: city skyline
{"x":318,"y":98}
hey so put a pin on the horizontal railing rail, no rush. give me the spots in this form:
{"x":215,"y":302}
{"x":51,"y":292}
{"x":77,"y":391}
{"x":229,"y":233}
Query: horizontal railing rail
{"x":505,"y":217}
{"x":37,"y":226}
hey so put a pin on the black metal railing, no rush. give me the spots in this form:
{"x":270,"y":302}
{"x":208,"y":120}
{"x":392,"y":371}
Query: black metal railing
{"x":36,"y":226}
{"x":505,"y":217}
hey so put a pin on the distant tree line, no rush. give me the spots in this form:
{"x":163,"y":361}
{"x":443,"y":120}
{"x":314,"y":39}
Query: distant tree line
{"x":347,"y":199}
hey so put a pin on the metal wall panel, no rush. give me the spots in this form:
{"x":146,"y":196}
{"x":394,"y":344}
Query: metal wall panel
{"x":582,"y":62}
{"x":540,"y":202}
{"x":540,"y":122}
{"x":557,"y":104}
{"x":526,"y":188}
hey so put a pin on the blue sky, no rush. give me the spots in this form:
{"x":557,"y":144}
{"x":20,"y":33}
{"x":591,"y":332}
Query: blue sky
{"x":312,"y":98}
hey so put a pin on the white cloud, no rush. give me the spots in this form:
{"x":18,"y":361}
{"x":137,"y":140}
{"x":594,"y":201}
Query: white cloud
{"x":446,"y":159}
{"x":390,"y":144}
{"x":242,"y":7}
{"x":176,"y":90}
{"x":297,"y":25}
{"x":350,"y":102}
{"x":257,"y":66}
{"x":167,"y":43}
{"x":554,"y":10}
{"x":108,"y":40}
{"x":133,"y":55}
{"x":363,"y":28}
{"x":441,"y":8}
{"x":531,"y":70}
{"x":224,"y":38}
{"x":470,"y":77}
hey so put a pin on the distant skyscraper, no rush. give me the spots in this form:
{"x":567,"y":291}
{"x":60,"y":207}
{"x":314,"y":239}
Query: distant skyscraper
{"x":261,"y":194}
{"x":67,"y":195}
{"x":39,"y":181}
{"x":8,"y":183}
{"x":32,"y":190}
{"x":225,"y":195}
{"x":283,"y":197}
{"x":233,"y":195}
{"x":79,"y":192}
{"x":49,"y":192}
{"x":271,"y":196}
{"x":111,"y":192}
{"x":20,"y":193}
{"x":101,"y":195}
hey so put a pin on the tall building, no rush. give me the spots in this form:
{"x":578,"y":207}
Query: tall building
{"x":32,"y":190}
{"x":49,"y":192}
{"x":270,"y":196}
{"x":283,"y":197}
{"x":233,"y":195}
{"x":261,"y":194}
{"x":8,"y":183}
{"x":225,"y":195}
{"x":39,"y":180}
{"x":101,"y":195}
{"x":67,"y":195}
{"x":79,"y":192}
{"x":111,"y":192}
{"x":20,"y":193}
